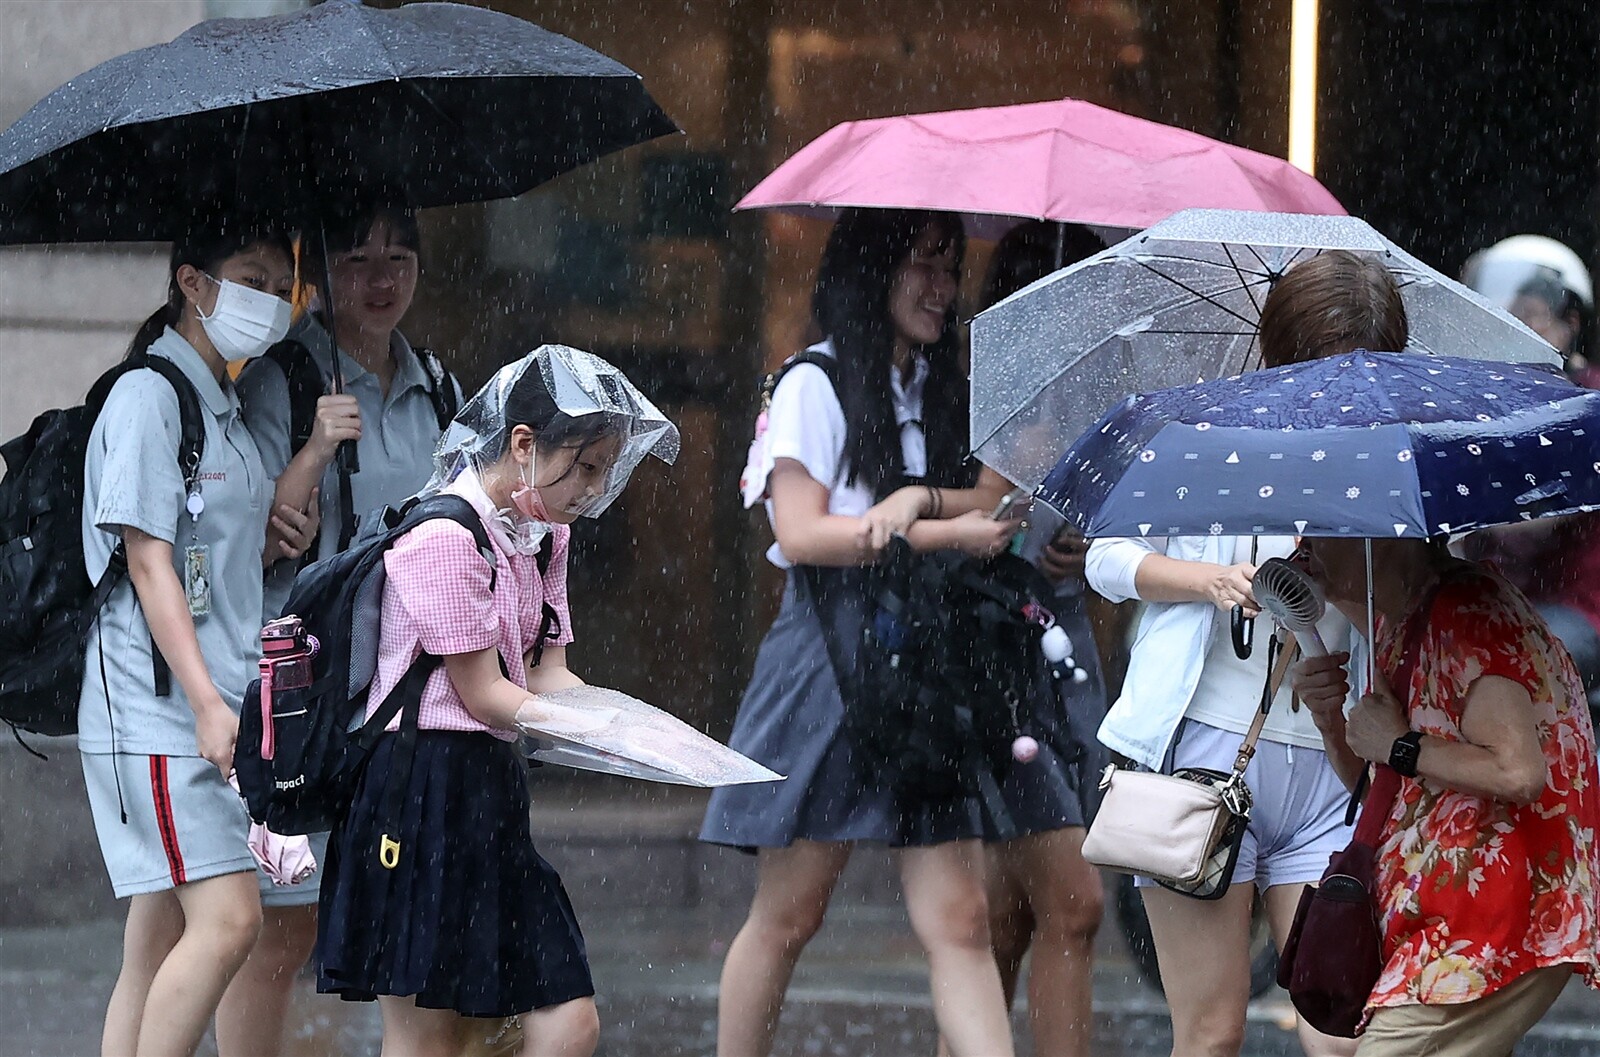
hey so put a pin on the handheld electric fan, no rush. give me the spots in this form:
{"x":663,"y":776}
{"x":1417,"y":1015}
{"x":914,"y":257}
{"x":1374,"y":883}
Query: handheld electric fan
{"x":1294,"y":600}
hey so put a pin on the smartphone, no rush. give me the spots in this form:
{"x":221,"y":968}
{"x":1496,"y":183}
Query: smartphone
{"x":1011,"y":504}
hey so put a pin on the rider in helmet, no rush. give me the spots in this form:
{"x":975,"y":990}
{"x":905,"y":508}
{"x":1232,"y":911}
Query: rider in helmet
{"x":1544,"y":284}
{"x":1556,"y":562}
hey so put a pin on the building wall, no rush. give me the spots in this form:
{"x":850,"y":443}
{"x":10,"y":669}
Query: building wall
{"x":67,"y":313}
{"x":1451,"y":126}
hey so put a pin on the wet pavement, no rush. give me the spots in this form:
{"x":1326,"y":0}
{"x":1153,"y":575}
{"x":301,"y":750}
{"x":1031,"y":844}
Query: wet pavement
{"x":658,"y":909}
{"x":860,"y":991}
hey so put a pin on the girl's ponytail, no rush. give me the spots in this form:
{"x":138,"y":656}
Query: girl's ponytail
{"x":153,"y":327}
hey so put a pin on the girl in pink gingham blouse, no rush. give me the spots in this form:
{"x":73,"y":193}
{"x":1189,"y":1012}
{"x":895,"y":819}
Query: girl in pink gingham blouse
{"x":438,"y":600}
{"x":436,"y":901}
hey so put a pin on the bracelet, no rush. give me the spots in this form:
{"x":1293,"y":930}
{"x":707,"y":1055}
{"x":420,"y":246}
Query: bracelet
{"x":935,"y":502}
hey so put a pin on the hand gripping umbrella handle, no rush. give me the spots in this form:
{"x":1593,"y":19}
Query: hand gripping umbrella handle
{"x":345,"y":460}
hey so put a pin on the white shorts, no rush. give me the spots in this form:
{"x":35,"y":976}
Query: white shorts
{"x":1297,"y":820}
{"x":184,"y":823}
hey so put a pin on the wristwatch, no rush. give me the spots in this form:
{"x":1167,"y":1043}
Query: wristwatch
{"x":1404,"y":752}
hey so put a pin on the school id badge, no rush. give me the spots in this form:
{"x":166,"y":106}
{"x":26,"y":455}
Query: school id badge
{"x":197,"y":578}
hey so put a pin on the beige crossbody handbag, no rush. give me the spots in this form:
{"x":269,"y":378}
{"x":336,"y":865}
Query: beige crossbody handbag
{"x":1181,"y":830}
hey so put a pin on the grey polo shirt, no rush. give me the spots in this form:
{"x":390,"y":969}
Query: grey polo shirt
{"x":398,"y":435}
{"x":132,"y":479}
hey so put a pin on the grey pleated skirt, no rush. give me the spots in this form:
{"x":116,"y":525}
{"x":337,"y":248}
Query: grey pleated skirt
{"x":792,"y":720}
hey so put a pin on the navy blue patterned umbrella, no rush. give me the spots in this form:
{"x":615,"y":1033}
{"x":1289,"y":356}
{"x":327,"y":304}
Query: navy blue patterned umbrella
{"x":1380,"y":445}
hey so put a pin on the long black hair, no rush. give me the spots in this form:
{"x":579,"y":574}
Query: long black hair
{"x":206,"y":250}
{"x":1033,"y":250}
{"x":851,"y":307}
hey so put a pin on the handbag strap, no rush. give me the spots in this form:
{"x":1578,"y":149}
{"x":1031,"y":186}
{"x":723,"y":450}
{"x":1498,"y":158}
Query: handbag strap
{"x":1381,"y":780}
{"x":1279,"y":660}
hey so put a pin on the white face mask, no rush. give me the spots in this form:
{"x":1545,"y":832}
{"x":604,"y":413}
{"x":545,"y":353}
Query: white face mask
{"x":244,"y":323}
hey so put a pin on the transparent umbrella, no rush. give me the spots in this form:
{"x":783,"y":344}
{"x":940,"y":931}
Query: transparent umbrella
{"x":1179,"y":303}
{"x":592,"y":728}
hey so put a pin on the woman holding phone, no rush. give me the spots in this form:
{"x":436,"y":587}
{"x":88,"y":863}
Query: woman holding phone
{"x":876,"y":405}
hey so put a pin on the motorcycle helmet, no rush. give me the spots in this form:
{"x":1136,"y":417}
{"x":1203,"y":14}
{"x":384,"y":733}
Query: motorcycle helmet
{"x":1540,"y":281}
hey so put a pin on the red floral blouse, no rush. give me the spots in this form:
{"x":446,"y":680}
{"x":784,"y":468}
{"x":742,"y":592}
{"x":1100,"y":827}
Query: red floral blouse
{"x":1474,"y":892}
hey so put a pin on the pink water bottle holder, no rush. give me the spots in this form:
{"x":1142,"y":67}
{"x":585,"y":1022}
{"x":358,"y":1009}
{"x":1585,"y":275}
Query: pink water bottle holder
{"x":286,"y":654}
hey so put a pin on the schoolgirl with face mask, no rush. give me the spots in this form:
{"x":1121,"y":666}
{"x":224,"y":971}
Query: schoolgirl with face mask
{"x":169,"y":657}
{"x":465,"y":919}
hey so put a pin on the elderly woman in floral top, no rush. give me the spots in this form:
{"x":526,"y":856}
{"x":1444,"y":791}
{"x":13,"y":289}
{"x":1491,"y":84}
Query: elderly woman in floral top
{"x":1487,"y":862}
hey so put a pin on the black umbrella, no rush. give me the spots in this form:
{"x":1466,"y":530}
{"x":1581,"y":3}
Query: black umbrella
{"x":433,"y":104}
{"x":442,"y":102}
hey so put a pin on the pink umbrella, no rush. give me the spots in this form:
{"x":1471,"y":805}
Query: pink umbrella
{"x":1063,"y":160}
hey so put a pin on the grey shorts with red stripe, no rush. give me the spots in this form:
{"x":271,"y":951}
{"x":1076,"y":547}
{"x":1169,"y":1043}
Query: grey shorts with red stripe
{"x":164,"y":821}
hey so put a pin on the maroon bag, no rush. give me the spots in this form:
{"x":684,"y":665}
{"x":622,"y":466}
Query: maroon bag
{"x":1334,"y":952}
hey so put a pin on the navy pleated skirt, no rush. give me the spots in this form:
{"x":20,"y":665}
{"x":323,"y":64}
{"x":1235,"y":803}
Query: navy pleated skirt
{"x":471,"y":919}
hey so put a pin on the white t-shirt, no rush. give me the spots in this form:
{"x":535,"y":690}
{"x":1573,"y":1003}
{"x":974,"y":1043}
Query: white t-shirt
{"x":1230,"y":689}
{"x":806,"y":423}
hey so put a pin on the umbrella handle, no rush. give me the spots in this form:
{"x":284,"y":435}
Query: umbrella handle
{"x":346,"y":459}
{"x":1243,"y":630}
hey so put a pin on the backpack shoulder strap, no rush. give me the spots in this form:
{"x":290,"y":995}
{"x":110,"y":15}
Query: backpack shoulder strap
{"x":399,"y":522}
{"x":192,"y":430}
{"x":408,"y":691}
{"x":828,"y":364}
{"x":452,"y":508}
{"x":549,"y":619}
{"x":191,"y":424}
{"x":441,"y":386}
{"x":191,"y":447}
{"x":306,"y":386}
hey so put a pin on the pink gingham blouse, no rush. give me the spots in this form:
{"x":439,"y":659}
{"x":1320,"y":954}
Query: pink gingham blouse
{"x":437,"y":600}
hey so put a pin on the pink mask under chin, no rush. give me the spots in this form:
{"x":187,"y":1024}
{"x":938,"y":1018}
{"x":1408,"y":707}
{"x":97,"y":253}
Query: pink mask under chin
{"x":529,"y":503}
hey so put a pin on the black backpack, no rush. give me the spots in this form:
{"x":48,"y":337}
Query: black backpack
{"x":306,"y":384}
{"x":47,"y":603}
{"x":952,"y":657}
{"x":940,"y":667}
{"x":320,"y":735}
